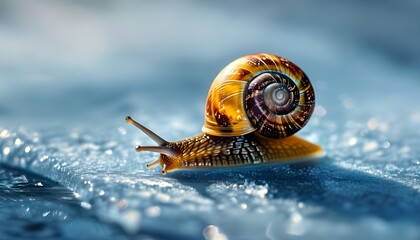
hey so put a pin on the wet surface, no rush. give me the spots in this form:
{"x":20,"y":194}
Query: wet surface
{"x":33,"y":207}
{"x":62,"y":120}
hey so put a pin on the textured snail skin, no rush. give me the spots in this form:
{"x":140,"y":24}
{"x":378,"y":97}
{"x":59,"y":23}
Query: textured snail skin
{"x":204,"y":151}
{"x":253,"y":108}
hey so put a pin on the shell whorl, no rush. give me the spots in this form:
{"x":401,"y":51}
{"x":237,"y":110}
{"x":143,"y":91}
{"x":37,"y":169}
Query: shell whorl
{"x":259,"y":92}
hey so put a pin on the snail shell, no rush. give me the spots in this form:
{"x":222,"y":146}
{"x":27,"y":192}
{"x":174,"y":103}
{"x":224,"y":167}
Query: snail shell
{"x":253,"y":108}
{"x":260,"y":92}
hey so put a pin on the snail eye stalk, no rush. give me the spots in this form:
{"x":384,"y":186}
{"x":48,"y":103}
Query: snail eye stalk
{"x":160,"y":141}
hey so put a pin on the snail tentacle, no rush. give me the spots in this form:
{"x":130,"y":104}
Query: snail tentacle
{"x":166,"y":149}
{"x":160,"y":141}
{"x":152,"y":164}
{"x":164,"y":169}
{"x":157,"y":149}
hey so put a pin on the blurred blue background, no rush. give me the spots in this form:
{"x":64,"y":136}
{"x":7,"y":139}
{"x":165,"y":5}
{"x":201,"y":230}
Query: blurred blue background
{"x":65,"y":61}
{"x":70,"y":71}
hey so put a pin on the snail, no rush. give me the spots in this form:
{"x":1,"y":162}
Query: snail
{"x":253,"y":108}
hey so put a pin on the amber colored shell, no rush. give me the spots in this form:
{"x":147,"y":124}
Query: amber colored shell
{"x":226,"y":112}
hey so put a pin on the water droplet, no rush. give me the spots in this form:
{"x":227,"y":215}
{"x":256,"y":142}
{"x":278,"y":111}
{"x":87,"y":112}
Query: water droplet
{"x":262,"y":192}
{"x":6,"y":150}
{"x":352,"y":141}
{"x":4,"y":134}
{"x":85,"y":205}
{"x":131,"y":220}
{"x":296,"y":217}
{"x":297,"y":226}
{"x":153,"y":211}
{"x":43,"y":158}
{"x":18,"y":142}
{"x":27,"y":149}
{"x":212,"y":232}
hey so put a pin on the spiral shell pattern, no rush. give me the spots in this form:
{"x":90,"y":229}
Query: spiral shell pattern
{"x":259,"y":92}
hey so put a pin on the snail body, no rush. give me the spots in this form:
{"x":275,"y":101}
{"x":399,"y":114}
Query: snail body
{"x":253,"y":108}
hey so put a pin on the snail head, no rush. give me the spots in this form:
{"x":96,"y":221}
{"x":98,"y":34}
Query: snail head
{"x":168,"y":151}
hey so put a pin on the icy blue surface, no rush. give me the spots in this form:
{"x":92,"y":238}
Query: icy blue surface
{"x":32,"y":207}
{"x":72,"y":72}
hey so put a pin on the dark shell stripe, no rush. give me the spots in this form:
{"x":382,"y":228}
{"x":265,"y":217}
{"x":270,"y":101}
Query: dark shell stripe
{"x":266,"y":122}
